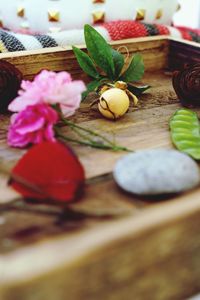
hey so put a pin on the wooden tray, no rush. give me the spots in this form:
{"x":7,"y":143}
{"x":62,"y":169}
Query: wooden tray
{"x":116,"y":247}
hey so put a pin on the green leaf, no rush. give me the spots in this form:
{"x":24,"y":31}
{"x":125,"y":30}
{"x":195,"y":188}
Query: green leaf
{"x":99,"y":51}
{"x":85,"y":62}
{"x":91,"y":87}
{"x":138,"y":90}
{"x":118,"y":59}
{"x":185,"y":132}
{"x":135,"y":70}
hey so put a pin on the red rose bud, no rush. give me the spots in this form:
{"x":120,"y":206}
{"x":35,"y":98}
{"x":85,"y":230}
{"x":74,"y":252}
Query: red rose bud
{"x":186,"y":84}
{"x":49,"y":172}
{"x":10,"y":80}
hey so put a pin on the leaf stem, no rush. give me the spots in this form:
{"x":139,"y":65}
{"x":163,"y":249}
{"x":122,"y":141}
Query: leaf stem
{"x":92,"y":144}
{"x":91,"y":132}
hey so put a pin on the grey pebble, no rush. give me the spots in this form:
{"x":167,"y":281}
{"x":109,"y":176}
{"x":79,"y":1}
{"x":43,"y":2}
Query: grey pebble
{"x":158,"y":171}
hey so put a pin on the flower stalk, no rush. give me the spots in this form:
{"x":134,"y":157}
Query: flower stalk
{"x":88,"y":139}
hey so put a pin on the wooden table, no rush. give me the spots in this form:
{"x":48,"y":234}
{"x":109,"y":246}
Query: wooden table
{"x":114,"y":246}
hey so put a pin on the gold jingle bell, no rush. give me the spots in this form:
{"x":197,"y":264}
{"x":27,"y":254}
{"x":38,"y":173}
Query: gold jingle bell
{"x":113,"y":103}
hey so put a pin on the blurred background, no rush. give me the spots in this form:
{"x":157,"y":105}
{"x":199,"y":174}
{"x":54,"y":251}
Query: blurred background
{"x":189,"y":14}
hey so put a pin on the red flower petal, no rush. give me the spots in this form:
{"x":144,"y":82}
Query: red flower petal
{"x":49,"y":171}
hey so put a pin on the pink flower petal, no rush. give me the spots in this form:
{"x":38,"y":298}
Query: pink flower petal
{"x":32,"y":126}
{"x":19,"y":104}
{"x":50,"y":88}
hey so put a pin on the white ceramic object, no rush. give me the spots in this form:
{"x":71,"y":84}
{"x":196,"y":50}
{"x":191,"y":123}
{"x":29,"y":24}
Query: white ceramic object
{"x":41,"y":16}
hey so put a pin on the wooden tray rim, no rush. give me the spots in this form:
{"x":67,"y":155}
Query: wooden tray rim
{"x":52,"y":50}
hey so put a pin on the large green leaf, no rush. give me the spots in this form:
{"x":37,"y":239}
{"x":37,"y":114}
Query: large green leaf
{"x":99,"y":51}
{"x":185,"y":132}
{"x":118,"y":59}
{"x":85,"y":63}
{"x":135,"y":70}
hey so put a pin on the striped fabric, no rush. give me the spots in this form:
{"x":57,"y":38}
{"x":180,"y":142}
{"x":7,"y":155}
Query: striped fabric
{"x":112,"y":31}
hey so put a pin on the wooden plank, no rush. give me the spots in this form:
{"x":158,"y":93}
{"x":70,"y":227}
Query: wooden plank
{"x":144,"y":254}
{"x":181,"y":53}
{"x":154,"y":51}
{"x":124,"y":239}
{"x":129,"y":247}
{"x":39,"y":222}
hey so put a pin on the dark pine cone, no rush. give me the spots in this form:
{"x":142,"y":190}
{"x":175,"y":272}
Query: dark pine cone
{"x":187,"y":85}
{"x":10,"y":80}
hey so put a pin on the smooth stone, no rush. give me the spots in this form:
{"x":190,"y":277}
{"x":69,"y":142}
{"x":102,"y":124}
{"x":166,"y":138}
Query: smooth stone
{"x":154,"y":172}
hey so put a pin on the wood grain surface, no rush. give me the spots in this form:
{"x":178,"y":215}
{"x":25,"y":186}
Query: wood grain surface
{"x":154,"y":51}
{"x":110,"y":245}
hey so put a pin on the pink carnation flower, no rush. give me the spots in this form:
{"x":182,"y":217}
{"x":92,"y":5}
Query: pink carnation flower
{"x":52,"y":88}
{"x":32,"y":125}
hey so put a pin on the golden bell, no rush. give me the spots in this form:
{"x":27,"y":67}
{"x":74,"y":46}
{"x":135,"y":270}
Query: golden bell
{"x":159,"y":14}
{"x":98,"y":17}
{"x":54,"y":15}
{"x":140,"y":14}
{"x":20,"y":11}
{"x":113,"y":103}
{"x":98,"y":1}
